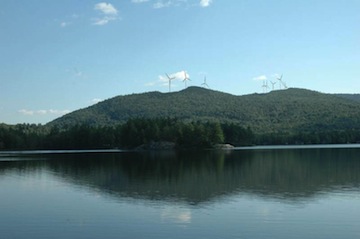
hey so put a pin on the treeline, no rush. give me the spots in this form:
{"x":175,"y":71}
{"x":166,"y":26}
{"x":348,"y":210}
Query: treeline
{"x":350,"y":136}
{"x":136,"y":132}
{"x":133,"y":133}
{"x":21,"y":136}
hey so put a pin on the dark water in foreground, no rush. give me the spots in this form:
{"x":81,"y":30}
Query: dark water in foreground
{"x":258,"y":193}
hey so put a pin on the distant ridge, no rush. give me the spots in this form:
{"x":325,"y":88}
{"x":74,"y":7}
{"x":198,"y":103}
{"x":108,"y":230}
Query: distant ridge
{"x":291,"y":110}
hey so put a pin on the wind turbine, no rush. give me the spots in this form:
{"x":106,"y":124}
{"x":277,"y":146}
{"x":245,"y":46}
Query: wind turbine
{"x":265,"y":86}
{"x":186,"y":78}
{"x":170,"y":79}
{"x":284,"y":84}
{"x":204,"y":84}
{"x":280,"y":81}
{"x":273,"y":84}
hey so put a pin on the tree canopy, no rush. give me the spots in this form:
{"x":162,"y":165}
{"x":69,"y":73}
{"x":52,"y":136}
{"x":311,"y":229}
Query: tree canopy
{"x":280,"y":111}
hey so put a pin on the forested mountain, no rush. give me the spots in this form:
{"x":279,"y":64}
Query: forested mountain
{"x":285,"y":111}
{"x":196,"y":118}
{"x":354,"y":97}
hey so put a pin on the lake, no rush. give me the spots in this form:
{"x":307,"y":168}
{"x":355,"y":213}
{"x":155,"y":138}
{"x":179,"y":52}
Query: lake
{"x":269,"y":192}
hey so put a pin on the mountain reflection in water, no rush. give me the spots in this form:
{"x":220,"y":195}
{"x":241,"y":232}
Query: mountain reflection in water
{"x":202,"y":176}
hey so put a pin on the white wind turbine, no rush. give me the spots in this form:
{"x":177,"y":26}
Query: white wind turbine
{"x":170,"y":79}
{"x":186,"y":78}
{"x":284,"y":84}
{"x":273,"y":84}
{"x":205,"y":84}
{"x":280,"y":81}
{"x":265,"y":86}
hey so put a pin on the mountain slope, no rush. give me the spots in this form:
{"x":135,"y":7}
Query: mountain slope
{"x":278,"y":111}
{"x":354,"y":97}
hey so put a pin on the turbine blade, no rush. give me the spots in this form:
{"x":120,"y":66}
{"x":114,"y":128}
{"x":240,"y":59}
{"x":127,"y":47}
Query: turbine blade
{"x":167,"y":76}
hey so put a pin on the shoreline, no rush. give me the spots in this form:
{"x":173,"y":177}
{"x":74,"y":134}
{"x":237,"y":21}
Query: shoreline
{"x":216,"y":147}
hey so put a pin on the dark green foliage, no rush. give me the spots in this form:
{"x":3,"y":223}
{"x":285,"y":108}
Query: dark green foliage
{"x":80,"y":137}
{"x":24,"y":136}
{"x":278,"y":112}
{"x":192,"y":134}
{"x":140,"y":131}
{"x":237,"y":135}
{"x":197,"y":117}
{"x":316,"y":137}
{"x":133,"y":133}
{"x":354,"y":97}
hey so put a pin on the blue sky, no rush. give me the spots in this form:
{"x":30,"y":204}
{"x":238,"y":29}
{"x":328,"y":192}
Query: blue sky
{"x":60,"y":56}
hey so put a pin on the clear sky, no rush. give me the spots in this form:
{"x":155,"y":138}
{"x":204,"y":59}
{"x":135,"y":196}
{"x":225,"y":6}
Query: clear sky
{"x":59,"y":56}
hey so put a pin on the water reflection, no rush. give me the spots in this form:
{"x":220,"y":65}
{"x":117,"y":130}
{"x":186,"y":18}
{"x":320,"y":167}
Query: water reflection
{"x":176,"y":215}
{"x":200,"y":177}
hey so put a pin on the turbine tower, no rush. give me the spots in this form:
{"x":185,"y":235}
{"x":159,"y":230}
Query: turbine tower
{"x":265,"y":86}
{"x":284,"y":84}
{"x":280,"y":81}
{"x":273,"y":84}
{"x":186,"y":78}
{"x":204,"y":84}
{"x":170,"y":79}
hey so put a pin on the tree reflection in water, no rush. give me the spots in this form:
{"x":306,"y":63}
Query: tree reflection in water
{"x":197,"y":177}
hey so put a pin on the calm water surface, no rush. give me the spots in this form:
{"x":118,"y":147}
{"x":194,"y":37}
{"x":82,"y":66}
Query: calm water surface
{"x":247,"y":193}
